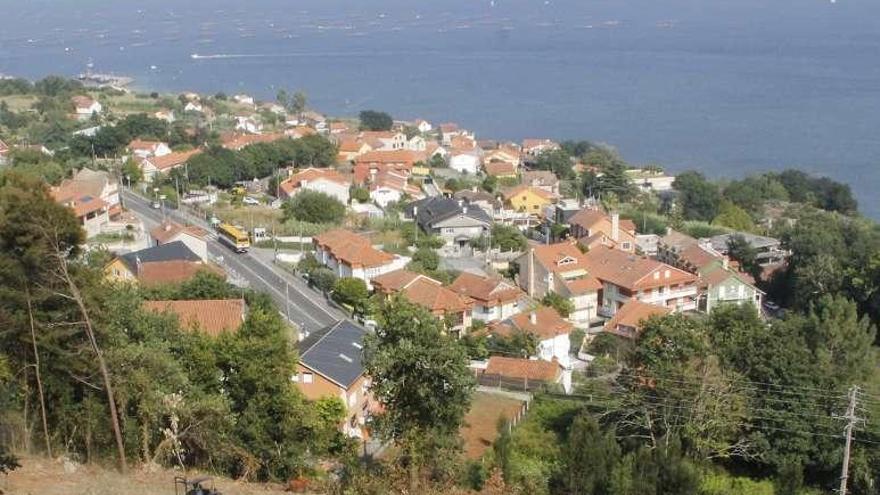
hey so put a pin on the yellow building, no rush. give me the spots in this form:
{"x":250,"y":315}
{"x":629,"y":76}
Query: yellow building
{"x":528,"y":199}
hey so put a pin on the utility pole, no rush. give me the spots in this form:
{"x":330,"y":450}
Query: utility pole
{"x":851,"y":420}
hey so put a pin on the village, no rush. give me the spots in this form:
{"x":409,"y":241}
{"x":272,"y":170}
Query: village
{"x":497,"y":240}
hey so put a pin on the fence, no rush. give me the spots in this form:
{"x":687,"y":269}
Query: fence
{"x":517,"y":384}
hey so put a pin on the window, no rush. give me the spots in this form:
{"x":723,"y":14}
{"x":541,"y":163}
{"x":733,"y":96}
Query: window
{"x":294,"y":377}
{"x":307,"y":377}
{"x":627,"y":246}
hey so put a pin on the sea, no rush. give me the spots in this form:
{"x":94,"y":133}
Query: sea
{"x":727,"y":87}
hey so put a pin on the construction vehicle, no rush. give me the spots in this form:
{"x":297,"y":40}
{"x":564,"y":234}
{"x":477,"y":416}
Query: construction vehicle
{"x":195,"y":486}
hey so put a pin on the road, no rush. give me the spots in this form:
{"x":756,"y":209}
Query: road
{"x":297,"y":302}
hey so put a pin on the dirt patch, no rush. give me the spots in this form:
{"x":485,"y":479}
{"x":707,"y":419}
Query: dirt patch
{"x":41,"y":476}
{"x":481,"y":422}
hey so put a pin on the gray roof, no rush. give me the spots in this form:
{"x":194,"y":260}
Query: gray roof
{"x":437,"y":208}
{"x":335,"y":352}
{"x":719,"y":242}
{"x":173,"y":251}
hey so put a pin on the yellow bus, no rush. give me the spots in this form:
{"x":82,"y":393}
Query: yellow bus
{"x":233,"y":237}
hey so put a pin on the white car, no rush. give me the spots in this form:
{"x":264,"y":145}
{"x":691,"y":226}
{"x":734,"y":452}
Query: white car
{"x":250,"y":201}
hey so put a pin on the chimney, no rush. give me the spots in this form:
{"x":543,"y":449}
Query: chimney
{"x":533,"y":318}
{"x":532,"y":272}
{"x":137,"y":263}
{"x":725,"y":262}
{"x":615,"y":226}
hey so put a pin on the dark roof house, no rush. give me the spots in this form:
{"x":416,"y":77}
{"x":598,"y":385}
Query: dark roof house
{"x":432,"y":210}
{"x":173,"y":251}
{"x":335,"y":352}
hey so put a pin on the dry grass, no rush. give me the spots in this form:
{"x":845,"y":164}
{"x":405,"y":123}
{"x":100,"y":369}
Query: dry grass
{"x":481,"y":422}
{"x":18,"y":103}
{"x":41,"y":476}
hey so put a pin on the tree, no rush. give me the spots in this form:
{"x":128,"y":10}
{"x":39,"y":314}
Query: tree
{"x":427,"y":259}
{"x":360,"y":194}
{"x":508,"y":238}
{"x":734,"y":217}
{"x":562,"y":305}
{"x":352,"y":292}
{"x":740,"y":250}
{"x":699,"y":198}
{"x":314,"y":207}
{"x":323,"y":279}
{"x":372,"y":120}
{"x":556,"y":161}
{"x":589,"y":457}
{"x":421,"y":377}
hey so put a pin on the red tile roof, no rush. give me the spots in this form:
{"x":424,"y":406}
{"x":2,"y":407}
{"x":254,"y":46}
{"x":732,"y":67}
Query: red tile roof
{"x":431,"y":295}
{"x":296,"y":180}
{"x":560,"y":257}
{"x":171,"y":272}
{"x":487,"y":290}
{"x":531,"y":369}
{"x":172,"y":160}
{"x":168,"y":230}
{"x":627,"y":321}
{"x":511,"y":193}
{"x":500,"y":168}
{"x":547,"y":324}
{"x":633,"y":272}
{"x":239,"y":141}
{"x":209,"y":316}
{"x":391,"y":282}
{"x":352,"y":249}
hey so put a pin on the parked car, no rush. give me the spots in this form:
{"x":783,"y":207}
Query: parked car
{"x":250,"y":201}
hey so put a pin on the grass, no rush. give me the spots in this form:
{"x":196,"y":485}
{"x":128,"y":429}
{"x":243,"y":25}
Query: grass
{"x":481,"y":422}
{"x":18,"y":103}
{"x":48,"y":477}
{"x":131,"y":103}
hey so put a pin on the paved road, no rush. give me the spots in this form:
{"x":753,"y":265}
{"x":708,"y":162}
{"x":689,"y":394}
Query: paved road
{"x":307,"y":309}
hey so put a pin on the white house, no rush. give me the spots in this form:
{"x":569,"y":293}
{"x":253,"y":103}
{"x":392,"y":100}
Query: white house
{"x":562,"y":269}
{"x":350,"y":255}
{"x":327,"y":181}
{"x":494,"y":298}
{"x":193,"y":106}
{"x":390,"y":187}
{"x":550,"y":329}
{"x":142,"y":149}
{"x":244,"y":99}
{"x":423,"y":126}
{"x":466,"y":162}
{"x":248,"y":124}
{"x":417,"y":143}
{"x":192,"y":236}
{"x":86,"y":106}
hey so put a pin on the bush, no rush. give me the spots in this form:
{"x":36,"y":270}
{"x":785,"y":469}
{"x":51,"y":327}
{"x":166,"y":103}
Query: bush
{"x":322,"y":279}
{"x":564,"y":306}
{"x":352,"y":292}
{"x":314,"y":207}
{"x":427,"y":258}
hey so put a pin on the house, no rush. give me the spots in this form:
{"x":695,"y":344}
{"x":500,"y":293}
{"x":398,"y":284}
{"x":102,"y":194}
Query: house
{"x":350,"y":255}
{"x":525,"y":374}
{"x":243,"y":99}
{"x":325,"y":180}
{"x":91,"y":212}
{"x":493,"y":298}
{"x":248,"y":124}
{"x":562,"y":210}
{"x":768,"y":250}
{"x":237,"y":141}
{"x":350,"y":149}
{"x":549,"y":328}
{"x":93,"y":196}
{"x":339,"y":128}
{"x":142,"y":149}
{"x":449,"y":131}
{"x":535,"y":147}
{"x":194,"y":237}
{"x":454,"y":221}
{"x":504,"y":153}
{"x":164,"y":264}
{"x":330,"y":365}
{"x":500,"y":170}
{"x":373,"y":162}
{"x":626,"y":277}
{"x":593,"y":227}
{"x":481,"y":199}
{"x":392,"y":187}
{"x":719,"y":282}
{"x":627,"y":322}
{"x":542,"y":179}
{"x":166,"y":115}
{"x":528,"y":199}
{"x":423,"y":126}
{"x":153,"y":165}
{"x":384,"y":140}
{"x":85,"y":107}
{"x":211,"y":316}
{"x":193,"y":106}
{"x":95,"y":183}
{"x":650,"y":180}
{"x":417,"y":143}
{"x":433,"y":149}
{"x":454,"y":309}
{"x":465,"y":160}
{"x":561,"y":269}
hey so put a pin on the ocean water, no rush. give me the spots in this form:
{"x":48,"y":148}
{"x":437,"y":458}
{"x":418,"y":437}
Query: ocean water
{"x":727,"y":87}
